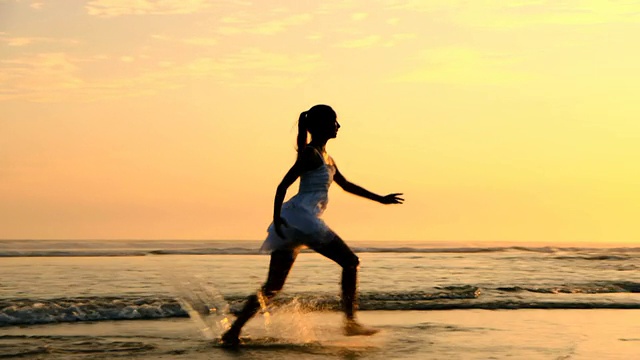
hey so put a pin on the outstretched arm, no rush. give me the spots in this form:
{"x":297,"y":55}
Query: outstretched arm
{"x":360,"y":191}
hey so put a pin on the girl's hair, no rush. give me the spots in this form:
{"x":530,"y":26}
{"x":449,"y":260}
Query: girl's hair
{"x":301,"y":140}
{"x":310,"y":120}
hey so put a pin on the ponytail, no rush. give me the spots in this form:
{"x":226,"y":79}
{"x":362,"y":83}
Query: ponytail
{"x":301,"y":140}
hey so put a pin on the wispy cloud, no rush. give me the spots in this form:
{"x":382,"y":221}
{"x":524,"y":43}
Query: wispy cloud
{"x":38,"y":77}
{"x":113,"y":8}
{"x":200,"y":41}
{"x":315,"y":37}
{"x":417,"y":5}
{"x":458,"y":65}
{"x":235,"y":25}
{"x":195,"y":41}
{"x":363,"y":42}
{"x":329,"y":7}
{"x":53,"y":77}
{"x":255,"y":67}
{"x":372,"y":41}
{"x":18,"y":41}
{"x":523,"y":13}
{"x":37,"y":5}
{"x":393,"y":21}
{"x":359,"y":16}
{"x":579,"y":13}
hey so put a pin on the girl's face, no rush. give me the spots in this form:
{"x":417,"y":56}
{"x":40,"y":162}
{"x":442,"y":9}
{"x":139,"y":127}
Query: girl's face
{"x":334,"y":128}
{"x":330,"y":128}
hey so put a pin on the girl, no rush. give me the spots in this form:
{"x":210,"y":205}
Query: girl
{"x":297,"y":223}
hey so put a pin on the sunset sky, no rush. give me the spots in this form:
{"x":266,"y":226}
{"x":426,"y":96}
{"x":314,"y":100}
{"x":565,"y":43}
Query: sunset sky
{"x":176,"y":119}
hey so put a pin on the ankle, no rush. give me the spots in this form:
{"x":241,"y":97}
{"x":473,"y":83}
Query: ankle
{"x":233,"y":331}
{"x":350,"y":321}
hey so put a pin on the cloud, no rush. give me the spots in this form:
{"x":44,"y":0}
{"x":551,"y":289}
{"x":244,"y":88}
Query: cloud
{"x":330,"y":7}
{"x":234,"y":25}
{"x":359,"y":16}
{"x":18,"y":41}
{"x":457,"y":65}
{"x":373,"y":41}
{"x":417,"y":5}
{"x":255,"y":67}
{"x":38,"y":77}
{"x":531,"y":13}
{"x":393,"y":21}
{"x":54,"y":77}
{"x":113,"y":8}
{"x":195,"y":41}
{"x":26,"y":41}
{"x":523,"y":13}
{"x":200,"y":41}
{"x":364,"y":42}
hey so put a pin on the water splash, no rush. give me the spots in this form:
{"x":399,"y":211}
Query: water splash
{"x":290,"y":323}
{"x":264,"y":309}
{"x":299,"y":322}
{"x":205,"y":305}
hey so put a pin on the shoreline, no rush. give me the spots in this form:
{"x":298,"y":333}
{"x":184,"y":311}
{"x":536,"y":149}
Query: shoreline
{"x":453,"y":334}
{"x":393,"y":243}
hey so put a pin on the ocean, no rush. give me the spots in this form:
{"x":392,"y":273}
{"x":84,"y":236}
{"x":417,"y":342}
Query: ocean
{"x":132,"y":299}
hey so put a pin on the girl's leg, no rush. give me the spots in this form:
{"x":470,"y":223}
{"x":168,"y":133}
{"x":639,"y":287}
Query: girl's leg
{"x":339,"y":252}
{"x":279,"y":267}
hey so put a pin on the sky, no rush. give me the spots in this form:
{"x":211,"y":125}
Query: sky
{"x":512,"y":121}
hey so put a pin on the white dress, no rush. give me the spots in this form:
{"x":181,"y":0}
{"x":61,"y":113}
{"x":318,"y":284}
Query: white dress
{"x":303,"y":213}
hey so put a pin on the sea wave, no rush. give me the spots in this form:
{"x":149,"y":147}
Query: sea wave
{"x":563,"y":253}
{"x":15,"y":312}
{"x":74,"y":345}
{"x":598,"y":257}
{"x":588,"y":288}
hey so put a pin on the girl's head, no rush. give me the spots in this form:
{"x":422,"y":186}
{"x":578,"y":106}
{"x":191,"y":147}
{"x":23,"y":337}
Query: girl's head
{"x":320,"y":121}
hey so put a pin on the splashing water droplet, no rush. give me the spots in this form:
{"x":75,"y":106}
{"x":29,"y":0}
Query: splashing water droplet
{"x":264,"y":309}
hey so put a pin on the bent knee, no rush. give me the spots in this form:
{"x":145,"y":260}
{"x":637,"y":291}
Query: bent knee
{"x":353,"y":262}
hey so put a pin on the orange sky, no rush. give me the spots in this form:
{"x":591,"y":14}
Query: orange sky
{"x":499,"y":120}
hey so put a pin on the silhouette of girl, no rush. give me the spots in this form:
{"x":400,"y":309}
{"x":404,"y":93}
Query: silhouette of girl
{"x":297,"y":223}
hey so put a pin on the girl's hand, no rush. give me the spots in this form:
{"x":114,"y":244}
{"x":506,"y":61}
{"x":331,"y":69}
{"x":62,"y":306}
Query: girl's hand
{"x":391,"y":199}
{"x":277,"y":223}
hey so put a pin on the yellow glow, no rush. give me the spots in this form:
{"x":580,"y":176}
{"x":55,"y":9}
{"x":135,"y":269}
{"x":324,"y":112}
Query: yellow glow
{"x":500,"y":121}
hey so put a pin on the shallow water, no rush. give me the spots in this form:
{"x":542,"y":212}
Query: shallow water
{"x":455,"y":334}
{"x":55,"y":284}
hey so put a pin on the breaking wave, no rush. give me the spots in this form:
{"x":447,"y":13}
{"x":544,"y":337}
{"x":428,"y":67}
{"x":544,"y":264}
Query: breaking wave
{"x":15,"y":312}
{"x":577,"y":253}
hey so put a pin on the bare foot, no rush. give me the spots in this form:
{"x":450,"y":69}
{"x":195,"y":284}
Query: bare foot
{"x":230,"y":339}
{"x":353,"y":328}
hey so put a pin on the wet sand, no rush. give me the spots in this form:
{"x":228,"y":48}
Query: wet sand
{"x":456,"y":334}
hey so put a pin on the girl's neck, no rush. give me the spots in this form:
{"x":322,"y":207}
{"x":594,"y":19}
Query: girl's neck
{"x":320,"y":145}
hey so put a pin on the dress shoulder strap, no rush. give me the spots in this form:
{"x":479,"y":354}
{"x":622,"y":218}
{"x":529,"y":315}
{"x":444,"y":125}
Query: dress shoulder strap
{"x":318,"y":153}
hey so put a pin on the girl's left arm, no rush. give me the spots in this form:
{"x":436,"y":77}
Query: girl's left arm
{"x":360,"y":191}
